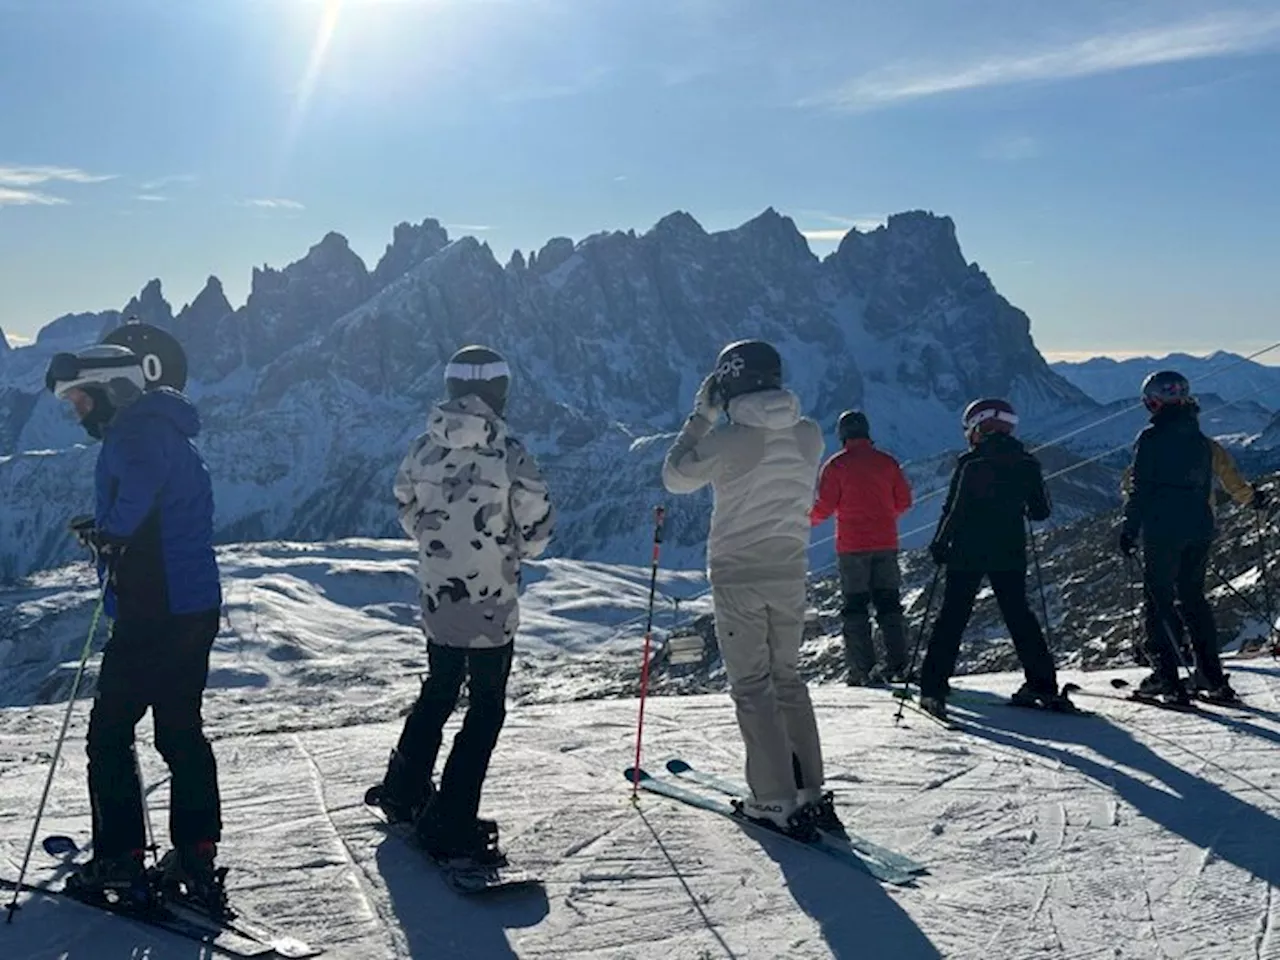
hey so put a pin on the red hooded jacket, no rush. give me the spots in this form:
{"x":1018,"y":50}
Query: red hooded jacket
{"x":867,"y":491}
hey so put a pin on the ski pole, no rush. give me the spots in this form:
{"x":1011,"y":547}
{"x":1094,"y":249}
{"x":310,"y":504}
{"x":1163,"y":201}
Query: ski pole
{"x":1137,"y":608}
{"x":658,"y":513}
{"x":57,"y":752}
{"x":915,"y":650}
{"x":1044,"y":604}
{"x":1266,"y":585}
{"x":146,"y":807}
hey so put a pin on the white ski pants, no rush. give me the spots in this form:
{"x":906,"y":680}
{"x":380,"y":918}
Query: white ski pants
{"x":759,"y":628}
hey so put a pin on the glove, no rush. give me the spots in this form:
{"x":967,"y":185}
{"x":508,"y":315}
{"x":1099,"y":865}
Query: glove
{"x":703,"y":404}
{"x":84,"y":528}
{"x":939,"y":551}
{"x":90,"y":537}
{"x":1128,"y":543}
{"x":1261,"y":501}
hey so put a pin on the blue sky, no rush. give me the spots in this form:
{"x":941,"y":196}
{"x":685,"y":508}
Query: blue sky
{"x":1112,"y":165}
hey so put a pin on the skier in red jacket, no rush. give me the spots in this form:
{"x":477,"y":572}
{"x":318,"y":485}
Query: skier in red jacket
{"x":866,"y":490}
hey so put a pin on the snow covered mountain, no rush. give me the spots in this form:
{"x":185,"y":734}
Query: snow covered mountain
{"x":312,"y":389}
{"x":1228,"y":375}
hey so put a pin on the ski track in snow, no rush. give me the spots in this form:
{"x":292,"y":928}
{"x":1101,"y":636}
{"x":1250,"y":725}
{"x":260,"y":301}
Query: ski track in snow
{"x":1139,"y":835}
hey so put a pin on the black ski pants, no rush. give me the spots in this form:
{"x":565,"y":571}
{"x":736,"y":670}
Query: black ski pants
{"x":162,"y":664}
{"x":486,"y":670}
{"x":1173,"y":575}
{"x":959,"y":594}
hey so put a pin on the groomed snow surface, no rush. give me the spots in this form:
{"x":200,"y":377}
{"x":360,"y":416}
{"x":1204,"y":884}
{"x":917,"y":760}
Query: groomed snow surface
{"x":1138,"y":834}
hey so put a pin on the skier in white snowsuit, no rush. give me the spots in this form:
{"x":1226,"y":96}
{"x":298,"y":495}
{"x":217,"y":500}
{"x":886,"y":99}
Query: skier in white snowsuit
{"x":474,"y":499}
{"x":763,"y":468}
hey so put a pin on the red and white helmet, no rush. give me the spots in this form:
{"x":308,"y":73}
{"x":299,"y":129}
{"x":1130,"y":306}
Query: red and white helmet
{"x":988,"y":416}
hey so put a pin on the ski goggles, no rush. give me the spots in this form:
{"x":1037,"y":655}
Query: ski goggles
{"x":62,"y":368}
{"x":68,"y":368}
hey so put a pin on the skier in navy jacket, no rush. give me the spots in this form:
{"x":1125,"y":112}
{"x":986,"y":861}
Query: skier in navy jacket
{"x":152,"y":532}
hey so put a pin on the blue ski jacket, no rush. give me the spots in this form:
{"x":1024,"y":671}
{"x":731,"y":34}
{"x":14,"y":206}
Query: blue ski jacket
{"x":154,"y":502}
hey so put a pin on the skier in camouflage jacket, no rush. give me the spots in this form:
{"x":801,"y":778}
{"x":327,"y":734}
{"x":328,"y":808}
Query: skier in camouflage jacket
{"x":475,"y":501}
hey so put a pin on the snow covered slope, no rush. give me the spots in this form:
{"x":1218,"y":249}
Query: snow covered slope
{"x":1143,"y":834}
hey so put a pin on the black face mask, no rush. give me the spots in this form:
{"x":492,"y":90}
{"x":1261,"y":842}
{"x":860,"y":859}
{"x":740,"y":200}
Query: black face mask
{"x":102,"y":413}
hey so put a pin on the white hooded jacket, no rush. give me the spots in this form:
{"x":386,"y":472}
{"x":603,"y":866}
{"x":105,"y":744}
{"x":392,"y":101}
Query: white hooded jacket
{"x":475,"y":501}
{"x":763,"y":468}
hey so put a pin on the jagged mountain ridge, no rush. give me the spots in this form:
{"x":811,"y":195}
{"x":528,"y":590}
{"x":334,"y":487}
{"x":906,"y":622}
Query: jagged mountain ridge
{"x":1231,"y":376}
{"x":311,"y":390}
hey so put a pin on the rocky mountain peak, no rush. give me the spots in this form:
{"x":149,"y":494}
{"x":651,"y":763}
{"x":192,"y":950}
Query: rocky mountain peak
{"x":410,"y":245}
{"x":150,"y":306}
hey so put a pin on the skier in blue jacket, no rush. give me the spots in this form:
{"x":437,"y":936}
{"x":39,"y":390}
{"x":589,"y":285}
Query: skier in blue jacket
{"x":152,"y":533}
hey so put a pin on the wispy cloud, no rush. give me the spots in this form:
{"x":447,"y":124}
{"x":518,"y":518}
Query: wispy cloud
{"x":32,"y":176}
{"x":150,"y":186}
{"x":151,"y":198}
{"x":10,"y":197}
{"x":273,"y":203}
{"x":468,"y":227}
{"x":1225,"y":34}
{"x":17,"y":339}
{"x":864,"y":223}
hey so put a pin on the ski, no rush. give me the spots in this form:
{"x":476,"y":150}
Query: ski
{"x":866,"y":848}
{"x":237,"y":934}
{"x":847,"y":856}
{"x":1193,"y":708}
{"x":979,"y":698}
{"x":463,"y":877}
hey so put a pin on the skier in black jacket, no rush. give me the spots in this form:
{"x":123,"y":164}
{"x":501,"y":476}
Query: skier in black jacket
{"x":982,"y":533}
{"x":1169,"y":506}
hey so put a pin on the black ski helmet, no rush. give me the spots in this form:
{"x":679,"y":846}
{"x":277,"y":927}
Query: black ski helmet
{"x":853,"y":425}
{"x":746,"y":366}
{"x":164,"y":362}
{"x":479,"y":371}
{"x":990,"y":415}
{"x":1165,"y":388}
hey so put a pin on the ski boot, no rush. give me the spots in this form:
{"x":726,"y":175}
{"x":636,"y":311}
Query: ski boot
{"x":119,"y":882}
{"x":404,"y":791}
{"x":782,"y":817}
{"x":936,"y":706}
{"x":1043,"y":699}
{"x":857,"y":678}
{"x":1162,"y":690}
{"x":447,"y":840}
{"x":820,"y":809}
{"x":1222,"y":694}
{"x":187,"y":875}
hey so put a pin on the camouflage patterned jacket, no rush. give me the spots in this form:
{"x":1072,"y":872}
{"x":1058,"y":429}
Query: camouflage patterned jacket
{"x":475,"y":501}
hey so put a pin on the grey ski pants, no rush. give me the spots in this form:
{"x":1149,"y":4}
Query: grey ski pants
{"x":759,"y":628}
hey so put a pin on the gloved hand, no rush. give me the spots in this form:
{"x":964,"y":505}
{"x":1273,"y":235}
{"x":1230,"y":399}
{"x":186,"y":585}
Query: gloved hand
{"x":1261,"y":501}
{"x":1128,"y":543}
{"x":90,"y":537}
{"x":84,"y":528}
{"x":703,"y":404}
{"x":939,"y":551}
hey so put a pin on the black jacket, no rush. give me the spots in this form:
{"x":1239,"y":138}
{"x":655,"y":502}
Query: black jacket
{"x":1170,"y":483}
{"x":994,"y":487}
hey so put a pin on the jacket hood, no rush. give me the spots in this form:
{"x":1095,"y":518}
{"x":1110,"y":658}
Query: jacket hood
{"x":161,"y":403}
{"x":771,"y":409}
{"x":464,"y":422}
